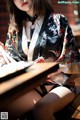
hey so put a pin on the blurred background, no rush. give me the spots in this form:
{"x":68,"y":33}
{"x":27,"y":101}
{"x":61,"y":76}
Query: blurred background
{"x":71,"y":11}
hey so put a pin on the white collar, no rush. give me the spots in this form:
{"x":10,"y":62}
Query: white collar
{"x":29,"y":52}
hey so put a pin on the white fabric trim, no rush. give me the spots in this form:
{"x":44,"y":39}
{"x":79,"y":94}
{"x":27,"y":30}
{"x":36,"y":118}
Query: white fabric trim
{"x":29,"y":52}
{"x":24,"y":41}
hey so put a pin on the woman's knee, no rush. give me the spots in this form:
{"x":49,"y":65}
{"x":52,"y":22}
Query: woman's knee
{"x":41,"y":113}
{"x":39,"y":108}
{"x":43,"y":110}
{"x":23,"y":103}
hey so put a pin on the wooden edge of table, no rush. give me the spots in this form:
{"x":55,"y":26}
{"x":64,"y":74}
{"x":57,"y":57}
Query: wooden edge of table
{"x":39,"y":69}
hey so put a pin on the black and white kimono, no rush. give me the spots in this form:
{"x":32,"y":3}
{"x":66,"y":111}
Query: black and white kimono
{"x":52,"y":34}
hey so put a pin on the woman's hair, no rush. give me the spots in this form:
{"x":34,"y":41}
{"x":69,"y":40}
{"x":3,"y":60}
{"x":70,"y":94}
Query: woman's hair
{"x":40,"y":7}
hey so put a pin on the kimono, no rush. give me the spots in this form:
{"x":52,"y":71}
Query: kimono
{"x":52,"y":36}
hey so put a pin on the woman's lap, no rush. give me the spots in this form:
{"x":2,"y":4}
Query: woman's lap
{"x":23,"y":104}
{"x":56,"y":99}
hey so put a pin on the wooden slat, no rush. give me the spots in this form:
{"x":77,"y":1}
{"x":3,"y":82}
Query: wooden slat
{"x":76,"y":114}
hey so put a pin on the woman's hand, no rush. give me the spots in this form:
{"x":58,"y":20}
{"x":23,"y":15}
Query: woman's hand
{"x":52,"y":75}
{"x":57,"y":77}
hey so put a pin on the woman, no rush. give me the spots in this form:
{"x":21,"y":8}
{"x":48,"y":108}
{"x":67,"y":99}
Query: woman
{"x":35,"y":31}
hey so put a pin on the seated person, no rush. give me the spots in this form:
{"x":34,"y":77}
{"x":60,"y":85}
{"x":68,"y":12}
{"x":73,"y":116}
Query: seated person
{"x":35,"y":31}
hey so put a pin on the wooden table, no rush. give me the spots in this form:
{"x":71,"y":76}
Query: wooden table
{"x":73,"y":68}
{"x":15,"y":87}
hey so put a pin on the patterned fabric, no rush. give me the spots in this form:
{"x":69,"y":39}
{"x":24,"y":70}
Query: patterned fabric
{"x":56,"y":37}
{"x":60,"y":40}
{"x":13,"y":43}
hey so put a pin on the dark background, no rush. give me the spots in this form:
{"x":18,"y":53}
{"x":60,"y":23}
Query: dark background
{"x":69,"y":10}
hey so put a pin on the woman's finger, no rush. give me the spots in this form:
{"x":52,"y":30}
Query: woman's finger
{"x":54,"y":73}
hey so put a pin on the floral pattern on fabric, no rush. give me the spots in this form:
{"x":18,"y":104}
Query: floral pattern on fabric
{"x":57,"y":36}
{"x":12,"y":40}
{"x":60,"y":39}
{"x":11,"y":43}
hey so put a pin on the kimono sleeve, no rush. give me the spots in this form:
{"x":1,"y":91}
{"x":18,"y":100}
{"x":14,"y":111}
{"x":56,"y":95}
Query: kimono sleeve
{"x":69,"y":53}
{"x":12,"y":46}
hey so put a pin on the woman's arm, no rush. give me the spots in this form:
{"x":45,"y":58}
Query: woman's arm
{"x":69,"y":53}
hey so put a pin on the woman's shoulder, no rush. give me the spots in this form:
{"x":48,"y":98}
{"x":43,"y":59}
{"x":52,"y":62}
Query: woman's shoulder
{"x":58,"y":16}
{"x":60,"y":19}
